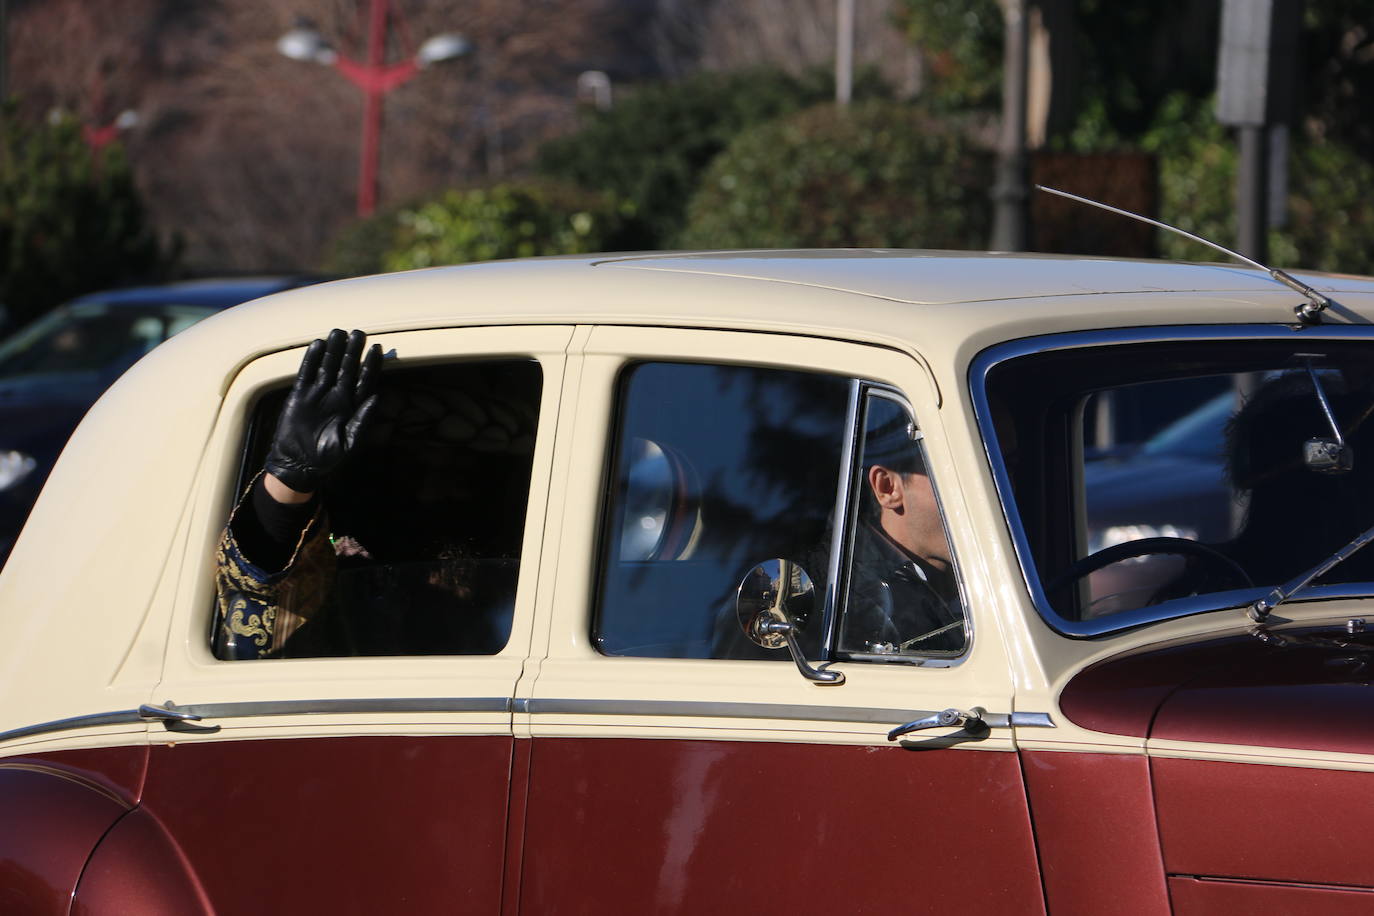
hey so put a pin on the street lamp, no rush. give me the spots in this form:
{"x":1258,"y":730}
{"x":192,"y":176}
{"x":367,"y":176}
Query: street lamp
{"x":375,"y":78}
{"x":99,"y":136}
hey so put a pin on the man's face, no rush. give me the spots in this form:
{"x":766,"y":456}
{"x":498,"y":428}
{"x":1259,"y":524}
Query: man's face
{"x":909,"y":514}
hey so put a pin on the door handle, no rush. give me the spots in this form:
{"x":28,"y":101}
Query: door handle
{"x":945,"y":718}
{"x":165,"y":713}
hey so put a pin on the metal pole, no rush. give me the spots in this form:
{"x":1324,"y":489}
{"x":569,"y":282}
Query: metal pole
{"x":4,"y":49}
{"x":844,"y":50}
{"x":372,"y":110}
{"x":1252,"y":193}
{"x":1010,"y":193}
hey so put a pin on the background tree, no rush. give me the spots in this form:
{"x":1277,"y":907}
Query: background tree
{"x":962,"y":50}
{"x":797,"y":36}
{"x":879,"y":174}
{"x":70,"y":222}
{"x":1330,"y":213}
{"x":651,"y":149}
{"x":253,"y":157}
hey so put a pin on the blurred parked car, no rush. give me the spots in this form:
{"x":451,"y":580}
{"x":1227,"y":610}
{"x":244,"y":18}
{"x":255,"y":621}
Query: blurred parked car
{"x":1172,"y":485}
{"x":53,"y":370}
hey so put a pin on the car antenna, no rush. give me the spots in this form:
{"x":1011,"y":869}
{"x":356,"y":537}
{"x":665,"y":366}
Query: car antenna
{"x":1308,"y":313}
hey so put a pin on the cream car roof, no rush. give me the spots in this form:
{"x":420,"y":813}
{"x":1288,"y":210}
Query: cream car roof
{"x":82,"y":616}
{"x":930,"y":299}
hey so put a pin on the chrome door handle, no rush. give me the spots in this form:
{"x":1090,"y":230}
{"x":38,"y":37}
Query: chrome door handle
{"x":165,"y":713}
{"x":945,"y":718}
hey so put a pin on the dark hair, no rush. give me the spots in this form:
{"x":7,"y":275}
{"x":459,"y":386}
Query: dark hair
{"x":890,"y":439}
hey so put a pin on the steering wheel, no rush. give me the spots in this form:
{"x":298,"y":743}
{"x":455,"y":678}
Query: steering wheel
{"x":1227,"y":569}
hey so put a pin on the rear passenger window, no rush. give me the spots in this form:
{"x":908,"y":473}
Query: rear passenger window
{"x":721,"y":471}
{"x":425,"y":521}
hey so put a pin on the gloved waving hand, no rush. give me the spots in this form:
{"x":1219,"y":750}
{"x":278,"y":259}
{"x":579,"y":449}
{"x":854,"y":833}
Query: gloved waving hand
{"x":328,"y":406}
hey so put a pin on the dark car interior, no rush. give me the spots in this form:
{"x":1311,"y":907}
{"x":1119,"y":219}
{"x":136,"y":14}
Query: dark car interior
{"x":1288,"y":511}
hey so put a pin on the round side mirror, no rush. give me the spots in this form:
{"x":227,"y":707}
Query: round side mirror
{"x":775,"y":592}
{"x":774,"y":603}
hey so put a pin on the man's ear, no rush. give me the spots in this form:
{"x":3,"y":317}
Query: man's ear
{"x":886,"y":487}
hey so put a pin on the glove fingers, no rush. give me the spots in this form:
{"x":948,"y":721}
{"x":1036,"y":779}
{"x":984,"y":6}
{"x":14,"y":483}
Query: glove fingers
{"x":310,"y":363}
{"x":333,"y":354}
{"x":367,"y":377}
{"x":348,"y":370}
{"x":359,"y":420}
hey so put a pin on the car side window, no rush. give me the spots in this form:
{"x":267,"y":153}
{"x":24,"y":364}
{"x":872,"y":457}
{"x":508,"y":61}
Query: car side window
{"x":424,"y":523}
{"x":719,"y":470}
{"x":903,"y":598}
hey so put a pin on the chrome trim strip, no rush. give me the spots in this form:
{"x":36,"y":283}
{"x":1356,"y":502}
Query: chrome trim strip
{"x":990,"y":358}
{"x":269,"y":708}
{"x":1032,"y":720}
{"x":306,"y":707}
{"x":724,"y":710}
{"x":93,"y":720}
{"x":668,"y":708}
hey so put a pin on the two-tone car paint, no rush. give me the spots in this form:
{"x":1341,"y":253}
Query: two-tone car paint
{"x":140,"y":773}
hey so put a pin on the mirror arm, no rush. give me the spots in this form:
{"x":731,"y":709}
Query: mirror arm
{"x":788,"y":632}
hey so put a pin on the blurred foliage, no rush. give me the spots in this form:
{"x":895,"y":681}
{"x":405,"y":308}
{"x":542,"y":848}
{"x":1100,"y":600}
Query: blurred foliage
{"x":1330,"y":214}
{"x":652,"y":147}
{"x":1338,"y":78}
{"x":1131,"y":57}
{"x":502,"y":221}
{"x":1134,"y":58}
{"x":878,"y":174}
{"x":361,"y":248}
{"x":962,"y":41}
{"x":70,"y":221}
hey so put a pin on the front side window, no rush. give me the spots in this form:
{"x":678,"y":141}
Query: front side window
{"x":1151,"y":479}
{"x":902,"y":598}
{"x":415,"y":548}
{"x":735,"y":480}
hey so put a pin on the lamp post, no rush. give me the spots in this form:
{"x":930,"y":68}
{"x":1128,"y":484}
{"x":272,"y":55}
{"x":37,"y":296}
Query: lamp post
{"x":844,"y":51}
{"x":1010,"y":192}
{"x":99,"y":136}
{"x":375,"y":78}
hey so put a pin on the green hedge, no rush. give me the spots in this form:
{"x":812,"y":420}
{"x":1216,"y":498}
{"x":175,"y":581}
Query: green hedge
{"x":1330,"y":213}
{"x":652,"y":147}
{"x":503,"y":221}
{"x":70,"y":222}
{"x":362,"y":246}
{"x":877,"y":174}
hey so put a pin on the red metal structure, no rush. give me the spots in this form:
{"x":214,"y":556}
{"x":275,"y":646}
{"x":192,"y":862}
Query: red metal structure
{"x":374,"y":77}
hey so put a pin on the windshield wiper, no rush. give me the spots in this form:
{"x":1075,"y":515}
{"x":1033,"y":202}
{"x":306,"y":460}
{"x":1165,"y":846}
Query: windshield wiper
{"x":1260,"y":610}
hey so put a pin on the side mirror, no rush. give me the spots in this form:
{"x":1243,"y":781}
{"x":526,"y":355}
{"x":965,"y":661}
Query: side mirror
{"x":774,"y":603}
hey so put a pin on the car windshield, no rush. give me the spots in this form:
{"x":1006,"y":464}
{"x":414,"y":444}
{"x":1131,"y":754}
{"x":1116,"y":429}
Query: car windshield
{"x":93,"y":337}
{"x":1148,"y":480}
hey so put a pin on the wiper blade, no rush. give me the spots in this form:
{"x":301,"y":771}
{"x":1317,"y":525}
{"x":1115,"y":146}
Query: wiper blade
{"x":1261,"y":609}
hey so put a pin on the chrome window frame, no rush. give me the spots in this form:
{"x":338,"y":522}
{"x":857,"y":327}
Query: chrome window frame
{"x":840,"y":536}
{"x":848,"y":530}
{"x":986,"y":360}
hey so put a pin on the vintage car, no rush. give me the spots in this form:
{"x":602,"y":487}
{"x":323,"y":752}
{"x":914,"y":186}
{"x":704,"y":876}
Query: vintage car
{"x":718,"y":582}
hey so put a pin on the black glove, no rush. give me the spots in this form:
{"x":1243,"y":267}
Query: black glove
{"x":328,"y":405}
